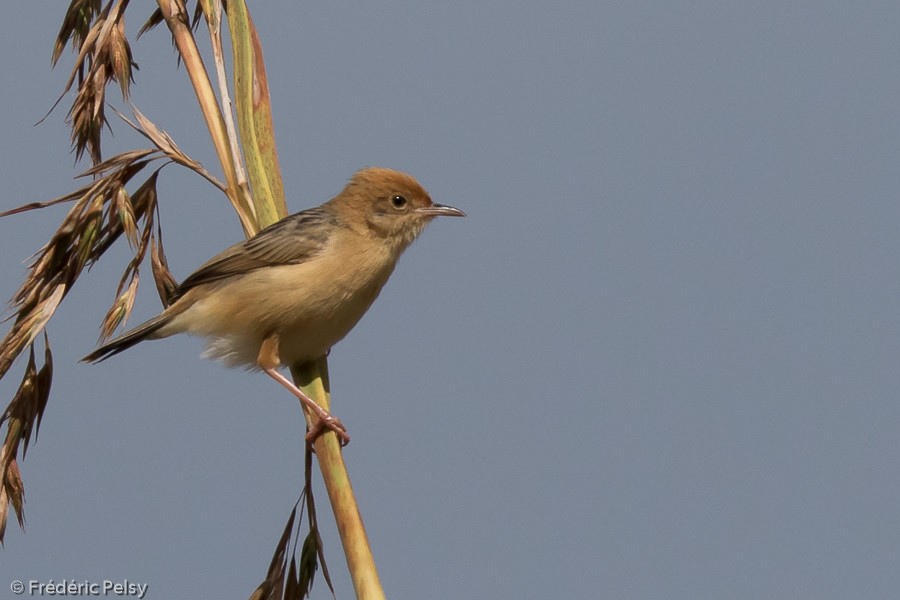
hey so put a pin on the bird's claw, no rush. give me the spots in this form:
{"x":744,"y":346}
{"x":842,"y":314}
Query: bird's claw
{"x":325,"y":424}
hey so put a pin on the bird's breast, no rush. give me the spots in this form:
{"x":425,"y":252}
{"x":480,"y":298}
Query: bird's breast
{"x":311,"y":305}
{"x":320,"y":316}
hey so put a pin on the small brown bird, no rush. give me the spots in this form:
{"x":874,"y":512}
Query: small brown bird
{"x":288,"y":294}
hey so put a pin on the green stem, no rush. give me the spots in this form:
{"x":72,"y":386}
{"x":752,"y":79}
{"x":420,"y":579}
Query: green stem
{"x":313,"y":380}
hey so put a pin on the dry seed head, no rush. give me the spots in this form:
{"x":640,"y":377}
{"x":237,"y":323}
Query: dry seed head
{"x":75,"y":26}
{"x":162,"y":276}
{"x":120,"y":57}
{"x":124,"y":211}
{"x":16,"y":490}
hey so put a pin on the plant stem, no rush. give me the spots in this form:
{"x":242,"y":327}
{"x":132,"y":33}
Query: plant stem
{"x":313,"y":380}
{"x":176,"y":18}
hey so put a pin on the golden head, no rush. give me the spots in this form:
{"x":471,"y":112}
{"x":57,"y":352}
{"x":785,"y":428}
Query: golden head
{"x":390,"y":204}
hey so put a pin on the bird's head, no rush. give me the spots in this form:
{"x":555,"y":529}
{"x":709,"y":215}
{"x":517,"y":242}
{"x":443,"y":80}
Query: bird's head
{"x":389,"y":204}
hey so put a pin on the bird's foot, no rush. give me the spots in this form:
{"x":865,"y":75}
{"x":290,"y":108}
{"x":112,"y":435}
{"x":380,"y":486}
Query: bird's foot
{"x":325,"y":423}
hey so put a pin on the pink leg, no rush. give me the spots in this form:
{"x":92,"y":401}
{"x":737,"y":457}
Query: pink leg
{"x":268,"y":361}
{"x":325,"y":419}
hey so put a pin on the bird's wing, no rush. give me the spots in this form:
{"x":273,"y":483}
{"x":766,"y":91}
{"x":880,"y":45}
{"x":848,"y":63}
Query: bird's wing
{"x":292,"y":240}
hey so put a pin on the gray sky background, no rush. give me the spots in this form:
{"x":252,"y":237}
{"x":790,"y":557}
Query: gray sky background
{"x":657,"y":360}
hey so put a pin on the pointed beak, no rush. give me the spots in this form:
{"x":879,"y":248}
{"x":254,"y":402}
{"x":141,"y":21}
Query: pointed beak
{"x":438,"y":210}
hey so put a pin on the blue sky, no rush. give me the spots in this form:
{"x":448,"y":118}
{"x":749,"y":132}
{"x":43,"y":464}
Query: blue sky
{"x":657,"y":360}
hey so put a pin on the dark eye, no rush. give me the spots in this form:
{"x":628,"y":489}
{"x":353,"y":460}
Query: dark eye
{"x":398,"y":201}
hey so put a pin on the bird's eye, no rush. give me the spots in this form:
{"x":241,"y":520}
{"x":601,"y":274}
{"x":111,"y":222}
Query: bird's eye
{"x":398,"y":201}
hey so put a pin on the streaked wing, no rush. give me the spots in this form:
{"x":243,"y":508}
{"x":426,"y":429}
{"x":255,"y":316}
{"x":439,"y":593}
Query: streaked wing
{"x":292,"y":240}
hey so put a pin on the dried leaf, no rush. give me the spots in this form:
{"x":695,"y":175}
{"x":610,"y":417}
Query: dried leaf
{"x":125,"y":213}
{"x":121,"y":308}
{"x":144,"y":198}
{"x":165,"y":281}
{"x":42,"y":313}
{"x":4,"y":511}
{"x":21,"y":403}
{"x":89,"y":232}
{"x":198,"y":13}
{"x":36,"y":205}
{"x":308,"y":564}
{"x":43,"y":383}
{"x":120,"y":58}
{"x":12,"y":483}
{"x":28,"y":404}
{"x":156,"y":17}
{"x":164,"y":142}
{"x":12,"y":492}
{"x":293,"y":588}
{"x":272,"y":586}
{"x":85,"y":233}
{"x":31,"y":320}
{"x":314,"y":520}
{"x":87,"y":117}
{"x":75,"y":26}
{"x":120,"y":162}
{"x":103,"y":55}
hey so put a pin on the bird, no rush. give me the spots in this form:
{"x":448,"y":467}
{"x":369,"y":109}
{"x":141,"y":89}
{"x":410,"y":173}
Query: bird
{"x":286,"y":295}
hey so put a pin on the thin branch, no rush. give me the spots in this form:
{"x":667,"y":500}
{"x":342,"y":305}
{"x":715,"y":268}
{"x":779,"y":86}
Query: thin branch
{"x":175,"y":14}
{"x":214,"y":23}
{"x":164,"y":142}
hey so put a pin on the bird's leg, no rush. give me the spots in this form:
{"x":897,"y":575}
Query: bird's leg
{"x":269,"y":361}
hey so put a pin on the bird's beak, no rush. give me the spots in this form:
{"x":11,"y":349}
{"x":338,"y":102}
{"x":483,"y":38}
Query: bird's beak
{"x":438,"y":210}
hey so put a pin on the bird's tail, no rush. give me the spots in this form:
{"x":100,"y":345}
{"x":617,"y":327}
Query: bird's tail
{"x":142,"y":332}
